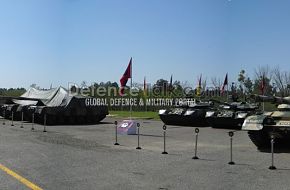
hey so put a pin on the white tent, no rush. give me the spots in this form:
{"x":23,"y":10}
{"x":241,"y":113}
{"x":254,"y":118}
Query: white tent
{"x":51,"y":98}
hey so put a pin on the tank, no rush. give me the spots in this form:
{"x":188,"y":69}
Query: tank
{"x":54,"y":107}
{"x":230,"y":115}
{"x":192,"y":114}
{"x":261,"y":126}
{"x":77,"y":111}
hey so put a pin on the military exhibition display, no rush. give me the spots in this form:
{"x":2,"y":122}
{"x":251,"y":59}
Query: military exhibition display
{"x":144,"y":95}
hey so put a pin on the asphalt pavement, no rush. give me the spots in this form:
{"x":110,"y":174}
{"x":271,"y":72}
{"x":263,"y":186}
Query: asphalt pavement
{"x":85,"y":157}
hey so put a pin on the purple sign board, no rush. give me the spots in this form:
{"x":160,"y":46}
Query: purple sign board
{"x":127,"y":127}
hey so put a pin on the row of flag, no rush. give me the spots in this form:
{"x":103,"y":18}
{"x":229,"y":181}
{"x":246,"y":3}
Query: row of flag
{"x":128,"y":75}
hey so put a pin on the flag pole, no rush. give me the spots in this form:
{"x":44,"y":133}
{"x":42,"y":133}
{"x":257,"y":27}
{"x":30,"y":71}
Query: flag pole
{"x":131,"y":84}
{"x":263,"y":93}
{"x":145,"y":93}
{"x":263,"y":90}
{"x":228,"y":92}
{"x":263,"y":104}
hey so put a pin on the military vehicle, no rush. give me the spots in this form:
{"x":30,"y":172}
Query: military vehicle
{"x":8,"y":106}
{"x":230,"y":115}
{"x":54,"y":106}
{"x":260,"y":127}
{"x":191,"y":114}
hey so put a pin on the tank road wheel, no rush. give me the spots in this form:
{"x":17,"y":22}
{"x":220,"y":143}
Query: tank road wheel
{"x":260,"y":138}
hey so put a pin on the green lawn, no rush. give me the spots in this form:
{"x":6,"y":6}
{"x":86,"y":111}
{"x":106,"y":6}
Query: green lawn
{"x":126,"y":114}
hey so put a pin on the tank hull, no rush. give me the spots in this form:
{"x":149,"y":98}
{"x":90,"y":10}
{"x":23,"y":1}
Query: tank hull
{"x":193,"y":116}
{"x":225,"y":123}
{"x":184,"y":120}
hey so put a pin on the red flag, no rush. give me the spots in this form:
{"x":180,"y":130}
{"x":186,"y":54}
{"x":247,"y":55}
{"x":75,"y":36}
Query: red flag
{"x":225,"y":84}
{"x":127,"y":75}
{"x":263,"y":85}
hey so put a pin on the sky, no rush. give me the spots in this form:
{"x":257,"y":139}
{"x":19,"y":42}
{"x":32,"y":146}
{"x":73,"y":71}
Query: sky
{"x":55,"y":42}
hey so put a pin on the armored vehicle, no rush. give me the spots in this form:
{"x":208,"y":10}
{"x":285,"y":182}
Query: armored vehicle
{"x":192,"y":114}
{"x":230,"y":115}
{"x":55,"y":106}
{"x":260,"y":127}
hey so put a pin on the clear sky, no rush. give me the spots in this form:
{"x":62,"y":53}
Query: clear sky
{"x":61,"y":41}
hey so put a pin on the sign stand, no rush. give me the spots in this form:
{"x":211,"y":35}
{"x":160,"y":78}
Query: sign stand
{"x":272,"y":167}
{"x":138,"y":129}
{"x":12,"y":118}
{"x":196,"y":139}
{"x":4,"y":114}
{"x":164,"y":134}
{"x":21,"y":126}
{"x":231,"y":134}
{"x":44,"y":124}
{"x":32,"y":124}
{"x":116,"y":135}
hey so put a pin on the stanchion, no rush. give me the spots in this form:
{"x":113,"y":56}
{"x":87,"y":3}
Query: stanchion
{"x":21,"y":126}
{"x":44,"y":124}
{"x":196,"y":140}
{"x":231,"y":134}
{"x":32,"y":124}
{"x":12,"y":118}
{"x":272,"y":167}
{"x":164,"y":134}
{"x":116,"y":131}
{"x":4,"y":115}
{"x":138,"y":130}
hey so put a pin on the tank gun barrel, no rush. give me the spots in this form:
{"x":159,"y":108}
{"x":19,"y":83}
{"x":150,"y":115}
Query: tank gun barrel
{"x":273,"y":99}
{"x":220,"y":102}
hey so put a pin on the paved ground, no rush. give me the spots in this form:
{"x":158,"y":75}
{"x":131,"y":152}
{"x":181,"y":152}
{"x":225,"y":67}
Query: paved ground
{"x":84,"y":157}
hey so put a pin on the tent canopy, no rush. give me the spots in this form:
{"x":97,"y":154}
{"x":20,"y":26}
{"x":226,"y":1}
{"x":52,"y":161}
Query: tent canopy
{"x":51,"y":98}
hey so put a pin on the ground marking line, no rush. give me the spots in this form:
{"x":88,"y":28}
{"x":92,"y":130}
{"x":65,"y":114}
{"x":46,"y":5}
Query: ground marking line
{"x":19,"y":178}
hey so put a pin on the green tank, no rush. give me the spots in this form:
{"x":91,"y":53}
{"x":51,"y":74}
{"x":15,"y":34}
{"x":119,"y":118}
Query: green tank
{"x":230,"y":115}
{"x":187,"y":115}
{"x":261,"y":126}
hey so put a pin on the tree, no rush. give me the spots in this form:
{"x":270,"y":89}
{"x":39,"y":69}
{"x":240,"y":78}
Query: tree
{"x":263,"y":72}
{"x":248,"y":85}
{"x":14,"y":92}
{"x":34,"y":86}
{"x":160,"y":88}
{"x":268,"y":86}
{"x":241,"y":80}
{"x":281,"y":81}
{"x":216,"y":82}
